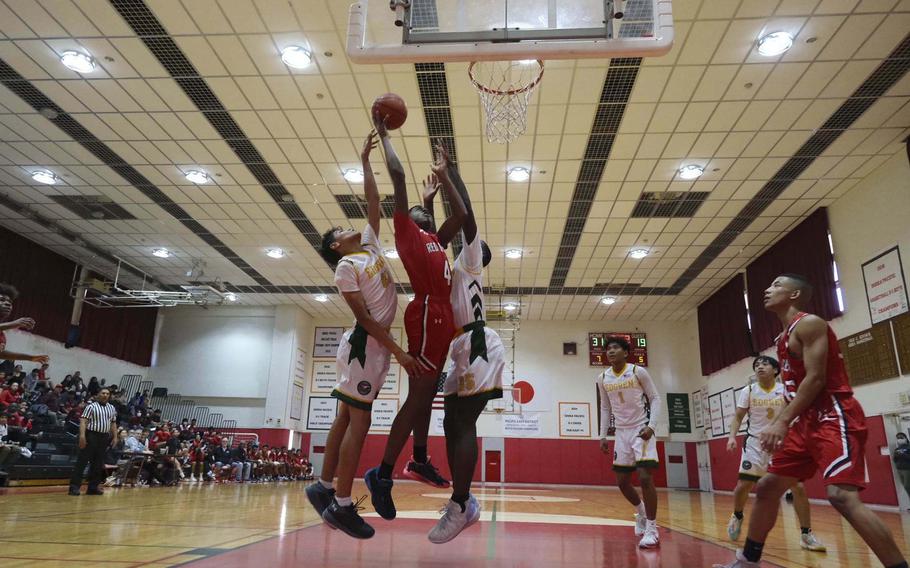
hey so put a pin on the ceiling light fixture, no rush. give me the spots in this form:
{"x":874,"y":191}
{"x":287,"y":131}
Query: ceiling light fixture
{"x":197,"y":176}
{"x":519,"y":174}
{"x":321,"y":298}
{"x":410,"y":297}
{"x":296,"y":56}
{"x":230,"y":297}
{"x":775,"y":43}
{"x":691,"y":171}
{"x":510,"y":307}
{"x":161,"y":253}
{"x":78,"y":61}
{"x":275,"y":253}
{"x":390,"y":253}
{"x":513,"y":253}
{"x":353,"y":176}
{"x":638,"y":254}
{"x":608,"y":300}
{"x":45,"y":177}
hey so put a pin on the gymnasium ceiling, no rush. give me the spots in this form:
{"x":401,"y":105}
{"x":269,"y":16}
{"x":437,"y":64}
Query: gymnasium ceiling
{"x":198,"y":84}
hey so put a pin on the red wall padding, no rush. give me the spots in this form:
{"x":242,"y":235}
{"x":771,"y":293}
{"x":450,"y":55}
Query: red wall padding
{"x":576,"y":462}
{"x":692,"y":464}
{"x":880,"y":488}
{"x":374,"y":448}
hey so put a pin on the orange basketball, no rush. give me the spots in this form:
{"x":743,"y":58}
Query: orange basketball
{"x":392,"y":108}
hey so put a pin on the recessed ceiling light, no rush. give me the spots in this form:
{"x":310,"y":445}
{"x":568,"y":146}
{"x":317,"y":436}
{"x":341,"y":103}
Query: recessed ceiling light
{"x":321,"y":298}
{"x":510,"y":307}
{"x":410,"y":297}
{"x":691,"y":171}
{"x":513,"y":253}
{"x":197,"y":176}
{"x":296,"y":56}
{"x":275,"y":253}
{"x":230,"y":297}
{"x":161,"y":253}
{"x":45,"y":177}
{"x":353,"y":176}
{"x":78,"y":61}
{"x":775,"y":43}
{"x":390,"y":253}
{"x":638,"y":254}
{"x":608,"y":300}
{"x":519,"y":174}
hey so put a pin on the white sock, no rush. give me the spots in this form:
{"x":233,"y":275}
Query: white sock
{"x":327,"y":484}
{"x":344,"y":501}
{"x":640,"y":509}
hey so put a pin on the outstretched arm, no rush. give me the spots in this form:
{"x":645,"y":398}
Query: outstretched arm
{"x":396,"y":170}
{"x":453,"y":224}
{"x":470,"y":224}
{"x":23,"y":357}
{"x":370,"y":191}
{"x":358,"y":305}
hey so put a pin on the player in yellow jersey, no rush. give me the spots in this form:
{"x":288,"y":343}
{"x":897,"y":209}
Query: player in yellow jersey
{"x":630,"y":406}
{"x":762,"y":401}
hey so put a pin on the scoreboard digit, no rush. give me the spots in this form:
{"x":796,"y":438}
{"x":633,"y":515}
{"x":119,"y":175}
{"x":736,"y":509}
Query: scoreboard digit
{"x":597,"y":348}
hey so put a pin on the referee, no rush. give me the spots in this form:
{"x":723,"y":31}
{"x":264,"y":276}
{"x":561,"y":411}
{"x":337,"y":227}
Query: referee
{"x":97,"y":430}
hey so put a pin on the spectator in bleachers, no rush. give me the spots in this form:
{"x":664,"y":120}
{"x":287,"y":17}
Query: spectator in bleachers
{"x":79,"y":388}
{"x":9,"y":396}
{"x":197,"y":459}
{"x":31,"y":381}
{"x":240,"y":463}
{"x":18,"y":375}
{"x":184,"y":428}
{"x":156,"y":416}
{"x":133,"y":442}
{"x":222,"y":456}
{"x":93,"y":387}
{"x":9,"y":452}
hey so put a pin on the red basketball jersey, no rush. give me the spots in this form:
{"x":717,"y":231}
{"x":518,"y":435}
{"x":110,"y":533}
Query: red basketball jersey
{"x":793,"y":370}
{"x":423,"y":257}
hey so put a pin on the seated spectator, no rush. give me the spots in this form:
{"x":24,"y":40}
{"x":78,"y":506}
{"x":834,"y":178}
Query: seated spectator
{"x":133,"y":444}
{"x":156,"y":416}
{"x":222,"y":456}
{"x":240,"y":463}
{"x":93,"y":387}
{"x":197,"y":458}
{"x":10,"y":395}
{"x":17,"y":376}
{"x":184,"y":428}
{"x":31,"y":381}
{"x":42,"y":372}
{"x":159,"y":439}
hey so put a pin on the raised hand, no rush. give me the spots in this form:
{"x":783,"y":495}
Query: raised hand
{"x":379,"y":125}
{"x":441,"y":166}
{"x":431,"y":186}
{"x":368,"y":145}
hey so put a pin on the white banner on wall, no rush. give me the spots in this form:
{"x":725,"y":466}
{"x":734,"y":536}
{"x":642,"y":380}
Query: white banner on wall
{"x":886,"y":290}
{"x":436,"y":426}
{"x":698,"y":412}
{"x":324,"y":377}
{"x":575,"y":419}
{"x":384,"y":411}
{"x":522,"y":425}
{"x":321,"y":412}
{"x":728,"y":407}
{"x":325,"y":343}
{"x":392,"y":384}
{"x":717,"y":415}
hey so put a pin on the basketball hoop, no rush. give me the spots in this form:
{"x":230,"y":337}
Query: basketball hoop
{"x":505,"y":89}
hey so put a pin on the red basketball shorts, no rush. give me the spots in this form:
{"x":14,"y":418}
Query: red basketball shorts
{"x":430,"y":327}
{"x":831,"y":441}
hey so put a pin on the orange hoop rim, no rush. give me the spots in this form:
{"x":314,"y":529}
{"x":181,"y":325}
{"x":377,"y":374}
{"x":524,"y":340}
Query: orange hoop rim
{"x":510,"y":92}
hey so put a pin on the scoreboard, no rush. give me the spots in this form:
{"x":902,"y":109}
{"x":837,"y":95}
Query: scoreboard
{"x":597,"y":348}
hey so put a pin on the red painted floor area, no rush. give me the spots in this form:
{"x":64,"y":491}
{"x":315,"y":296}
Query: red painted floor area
{"x":516,"y":545}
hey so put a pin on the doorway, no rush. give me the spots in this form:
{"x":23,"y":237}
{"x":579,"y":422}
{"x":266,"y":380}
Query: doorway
{"x":704,"y":466}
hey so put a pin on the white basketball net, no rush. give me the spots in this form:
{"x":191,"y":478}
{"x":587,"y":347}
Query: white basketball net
{"x":505,"y":88}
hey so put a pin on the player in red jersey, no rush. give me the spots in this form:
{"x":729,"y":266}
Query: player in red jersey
{"x":428,"y":320}
{"x":823,"y":428}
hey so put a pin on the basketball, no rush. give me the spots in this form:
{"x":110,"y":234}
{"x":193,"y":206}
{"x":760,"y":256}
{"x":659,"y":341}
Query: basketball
{"x":392,"y":107}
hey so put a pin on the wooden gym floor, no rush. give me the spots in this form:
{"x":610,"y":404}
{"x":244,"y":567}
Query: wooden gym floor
{"x":273,"y":525}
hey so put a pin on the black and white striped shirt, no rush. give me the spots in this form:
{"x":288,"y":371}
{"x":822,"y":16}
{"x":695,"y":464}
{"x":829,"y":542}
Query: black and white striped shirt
{"x":99,"y":417}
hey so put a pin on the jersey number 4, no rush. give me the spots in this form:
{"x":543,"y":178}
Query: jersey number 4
{"x":447,"y":273}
